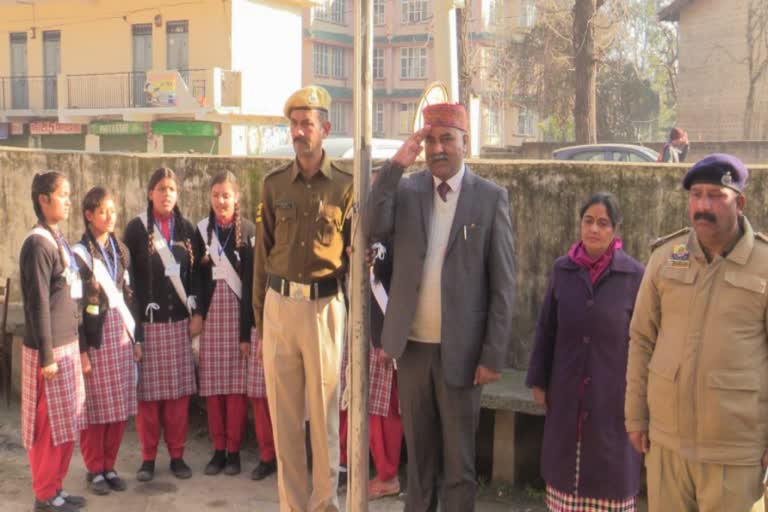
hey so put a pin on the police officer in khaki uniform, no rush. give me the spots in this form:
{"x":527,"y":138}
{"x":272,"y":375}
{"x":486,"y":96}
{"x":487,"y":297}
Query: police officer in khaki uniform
{"x":298,"y":303}
{"x":697,"y":378}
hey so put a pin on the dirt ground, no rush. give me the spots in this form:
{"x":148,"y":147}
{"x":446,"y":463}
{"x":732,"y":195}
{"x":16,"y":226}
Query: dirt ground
{"x":168,"y":494}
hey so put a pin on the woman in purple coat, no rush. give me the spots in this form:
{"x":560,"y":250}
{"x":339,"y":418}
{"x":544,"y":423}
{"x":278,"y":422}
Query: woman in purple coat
{"x":578,"y":368}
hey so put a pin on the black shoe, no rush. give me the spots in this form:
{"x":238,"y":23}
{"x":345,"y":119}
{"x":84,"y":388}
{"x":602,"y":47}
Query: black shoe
{"x":114,"y":481}
{"x":180,"y":469}
{"x":217,"y":463}
{"x":342,"y":488}
{"x":263,"y":470}
{"x":146,"y":472}
{"x":72,"y":501}
{"x":98,"y":484}
{"x":55,"y":504}
{"x":233,"y":464}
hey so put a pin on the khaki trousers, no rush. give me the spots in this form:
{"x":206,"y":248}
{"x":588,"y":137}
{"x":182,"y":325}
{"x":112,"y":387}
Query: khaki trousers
{"x":678,"y":485}
{"x":302,"y":346}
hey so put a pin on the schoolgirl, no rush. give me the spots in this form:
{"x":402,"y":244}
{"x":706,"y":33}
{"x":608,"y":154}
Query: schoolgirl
{"x":166,"y":287}
{"x":106,"y":341}
{"x":224,"y":248}
{"x":53,"y":394}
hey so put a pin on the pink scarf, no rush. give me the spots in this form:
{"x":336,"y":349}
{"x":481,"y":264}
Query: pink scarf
{"x":596,"y":267}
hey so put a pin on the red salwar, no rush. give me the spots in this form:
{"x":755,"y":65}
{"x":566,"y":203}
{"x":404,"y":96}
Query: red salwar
{"x":227,"y":415}
{"x":170,"y":415}
{"x":385,"y":437}
{"x":262,"y":425}
{"x":48,"y":463}
{"x":99,"y":444}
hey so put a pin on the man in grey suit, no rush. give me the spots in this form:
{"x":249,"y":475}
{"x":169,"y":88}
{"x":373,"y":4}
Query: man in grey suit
{"x":448,"y":321}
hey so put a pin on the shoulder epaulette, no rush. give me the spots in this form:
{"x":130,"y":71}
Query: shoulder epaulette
{"x":664,"y":239}
{"x":279,"y":170}
{"x":340,"y":169}
{"x":761,"y":236}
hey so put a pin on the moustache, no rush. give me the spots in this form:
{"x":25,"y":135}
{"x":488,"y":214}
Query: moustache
{"x":299,"y":139}
{"x":709,"y":217}
{"x":439,"y":157}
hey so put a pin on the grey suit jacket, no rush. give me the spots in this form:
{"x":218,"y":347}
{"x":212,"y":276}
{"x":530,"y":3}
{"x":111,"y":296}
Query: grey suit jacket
{"x":478,"y":276}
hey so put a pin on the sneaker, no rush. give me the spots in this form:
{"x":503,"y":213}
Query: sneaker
{"x":146,"y":472}
{"x":263,"y":470}
{"x":72,"y":501}
{"x":217,"y":463}
{"x":233,"y":464}
{"x":114,"y":481}
{"x":55,"y":504}
{"x":99,"y":485}
{"x":180,"y":469}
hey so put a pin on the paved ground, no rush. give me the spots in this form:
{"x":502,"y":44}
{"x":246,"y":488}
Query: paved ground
{"x":167,"y":494}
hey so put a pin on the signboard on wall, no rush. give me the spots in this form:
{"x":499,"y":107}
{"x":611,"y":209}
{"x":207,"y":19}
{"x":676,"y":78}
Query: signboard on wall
{"x":54,"y":128}
{"x":17,"y":128}
{"x":160,"y":89}
{"x":117,"y":128}
{"x":186,"y":128}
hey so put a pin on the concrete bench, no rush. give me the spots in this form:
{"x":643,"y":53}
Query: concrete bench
{"x":507,"y":398}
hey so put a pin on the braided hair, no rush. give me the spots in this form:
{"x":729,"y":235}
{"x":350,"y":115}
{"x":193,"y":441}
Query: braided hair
{"x":231,"y":179}
{"x":45,"y":184}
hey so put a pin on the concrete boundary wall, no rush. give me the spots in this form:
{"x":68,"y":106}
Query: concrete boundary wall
{"x":545,"y":197}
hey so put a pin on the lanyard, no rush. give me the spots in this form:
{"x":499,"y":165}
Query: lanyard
{"x":222,"y":245}
{"x":111,"y":266}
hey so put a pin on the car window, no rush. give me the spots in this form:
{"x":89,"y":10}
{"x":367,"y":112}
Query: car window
{"x":636,"y":158}
{"x":588,"y":156}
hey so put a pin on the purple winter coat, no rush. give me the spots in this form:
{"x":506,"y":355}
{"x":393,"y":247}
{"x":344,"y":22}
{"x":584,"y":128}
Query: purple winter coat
{"x":582,"y":339}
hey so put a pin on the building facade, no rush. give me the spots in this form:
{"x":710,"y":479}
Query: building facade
{"x":714,"y":75}
{"x":403,"y":64}
{"x":148,"y":76}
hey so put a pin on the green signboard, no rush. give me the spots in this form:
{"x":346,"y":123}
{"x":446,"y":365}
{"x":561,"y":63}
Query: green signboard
{"x":186,"y":128}
{"x":117,"y":128}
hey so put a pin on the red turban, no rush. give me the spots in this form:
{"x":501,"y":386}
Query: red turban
{"x":451,"y":115}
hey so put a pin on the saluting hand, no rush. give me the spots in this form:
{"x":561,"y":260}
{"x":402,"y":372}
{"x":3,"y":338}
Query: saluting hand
{"x":411,"y":148}
{"x":50,"y":371}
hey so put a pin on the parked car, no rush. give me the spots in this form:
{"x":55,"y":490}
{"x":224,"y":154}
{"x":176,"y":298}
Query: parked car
{"x":606,"y":153}
{"x":342,"y":147}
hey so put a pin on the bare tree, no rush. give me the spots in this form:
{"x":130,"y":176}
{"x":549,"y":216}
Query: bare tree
{"x":757,"y":58}
{"x":585,"y":60}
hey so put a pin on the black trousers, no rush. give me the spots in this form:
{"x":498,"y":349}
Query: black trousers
{"x":440,"y":425}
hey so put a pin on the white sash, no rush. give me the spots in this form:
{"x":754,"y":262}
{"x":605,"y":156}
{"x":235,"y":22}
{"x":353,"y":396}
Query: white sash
{"x":221,"y":261}
{"x":161,"y":247}
{"x":72,"y":278}
{"x":379,"y":293}
{"x":116,"y":299}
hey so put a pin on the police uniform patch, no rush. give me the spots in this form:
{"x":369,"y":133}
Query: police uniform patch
{"x":680,"y":256}
{"x":258,"y":212}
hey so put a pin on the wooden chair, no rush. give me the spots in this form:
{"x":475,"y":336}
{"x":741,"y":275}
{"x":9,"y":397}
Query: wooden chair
{"x":6,"y":341}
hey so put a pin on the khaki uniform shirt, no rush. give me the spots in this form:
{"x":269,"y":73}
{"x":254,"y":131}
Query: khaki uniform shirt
{"x":301,"y":227}
{"x":697,"y":377}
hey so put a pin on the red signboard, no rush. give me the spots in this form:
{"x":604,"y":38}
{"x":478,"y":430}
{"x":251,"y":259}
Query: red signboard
{"x":54,"y":128}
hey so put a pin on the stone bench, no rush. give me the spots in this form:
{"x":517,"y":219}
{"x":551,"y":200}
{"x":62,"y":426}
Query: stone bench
{"x":508,"y":398}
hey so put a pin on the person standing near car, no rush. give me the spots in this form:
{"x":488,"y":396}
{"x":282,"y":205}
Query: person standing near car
{"x":676,"y":150}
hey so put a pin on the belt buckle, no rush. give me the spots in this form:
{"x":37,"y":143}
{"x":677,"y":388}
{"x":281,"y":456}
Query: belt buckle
{"x":299,"y":291}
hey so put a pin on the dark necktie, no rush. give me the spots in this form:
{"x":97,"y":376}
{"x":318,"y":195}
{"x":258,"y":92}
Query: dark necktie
{"x":443,"y":188}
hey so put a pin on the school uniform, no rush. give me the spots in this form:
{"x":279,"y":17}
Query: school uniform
{"x":52,"y":411}
{"x":225,"y":274}
{"x":107,"y":335}
{"x":166,"y":296}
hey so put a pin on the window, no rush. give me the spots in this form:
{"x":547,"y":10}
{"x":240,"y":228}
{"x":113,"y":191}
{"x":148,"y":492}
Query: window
{"x":333,"y":11}
{"x":339,"y":115}
{"x":414,"y":11}
{"x":378,"y":118}
{"x":527,"y":15}
{"x":338,"y":68}
{"x":320,"y":59}
{"x":413,"y":62}
{"x":378,"y":12}
{"x":407,"y":112}
{"x":493,"y":125}
{"x":525,"y":121}
{"x":329,"y":61}
{"x":177,"y":48}
{"x":492,"y":12}
{"x":378,"y":63}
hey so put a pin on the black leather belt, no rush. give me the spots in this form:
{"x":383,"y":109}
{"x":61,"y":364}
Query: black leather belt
{"x":313,"y":291}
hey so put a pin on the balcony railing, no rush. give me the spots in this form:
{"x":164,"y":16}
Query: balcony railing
{"x":130,"y":89}
{"x":28,"y":93}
